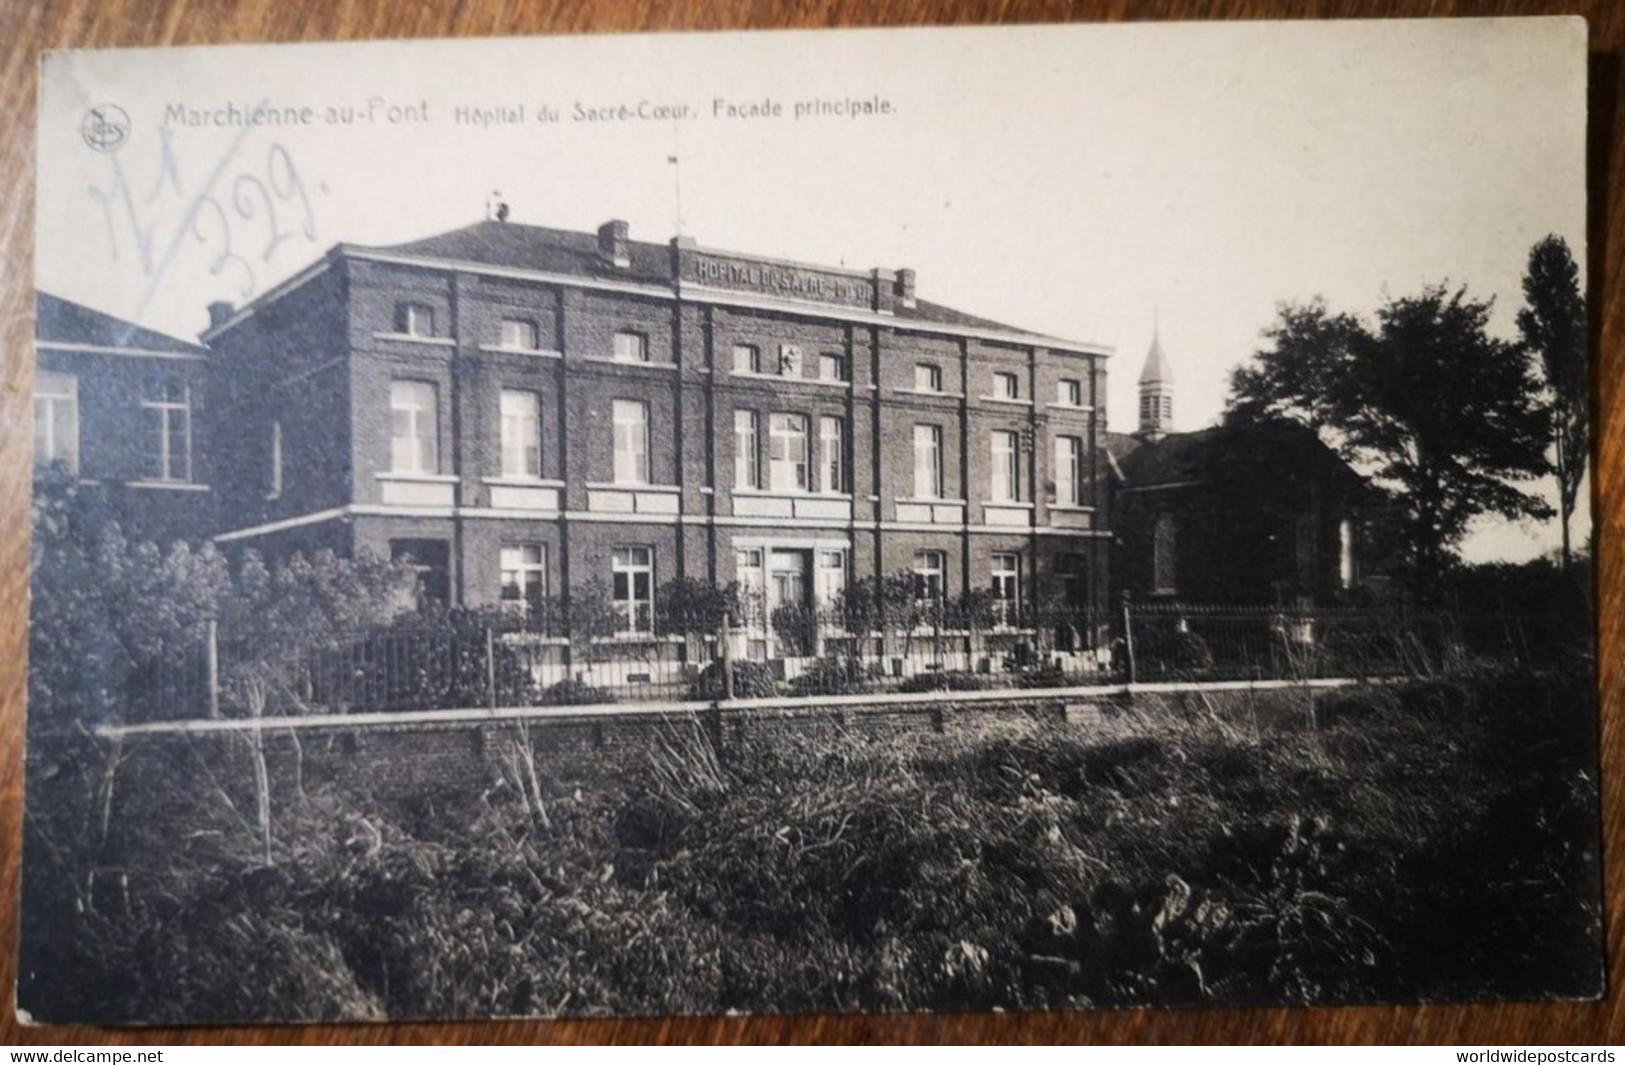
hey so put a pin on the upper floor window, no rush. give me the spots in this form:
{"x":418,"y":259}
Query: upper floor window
{"x":520,"y":333}
{"x":1006,"y":385}
{"x":1069,"y":392}
{"x":631,"y":419}
{"x":414,"y":319}
{"x":747,"y":450}
{"x":631,"y":347}
{"x":832,"y":443}
{"x":168,"y":414}
{"x":787,"y":460}
{"x":56,"y":420}
{"x":1006,"y":467}
{"x":1068,"y":470}
{"x":521,"y":433}
{"x":832,"y":367}
{"x":747,"y":358}
{"x":632,"y":570}
{"x":927,"y":377}
{"x":414,"y":427}
{"x":927,"y":462}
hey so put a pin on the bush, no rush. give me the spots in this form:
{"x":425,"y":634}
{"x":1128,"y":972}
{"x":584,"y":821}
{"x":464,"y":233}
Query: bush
{"x":834,"y":675}
{"x":752,"y":680}
{"x":953,"y":681}
{"x":574,"y":692}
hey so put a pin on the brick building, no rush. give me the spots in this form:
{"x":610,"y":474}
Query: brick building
{"x":527,"y":412}
{"x":118,"y":409}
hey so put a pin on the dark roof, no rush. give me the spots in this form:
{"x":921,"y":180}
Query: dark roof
{"x":521,"y":247}
{"x":1212,"y":453}
{"x":562,"y":251}
{"x":1178,"y":458}
{"x":65,"y":322}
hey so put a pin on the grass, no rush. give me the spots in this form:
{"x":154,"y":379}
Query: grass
{"x":1431,"y":841}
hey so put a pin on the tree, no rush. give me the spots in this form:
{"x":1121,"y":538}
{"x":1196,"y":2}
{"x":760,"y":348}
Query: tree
{"x":1439,"y":413}
{"x":1553,"y":324}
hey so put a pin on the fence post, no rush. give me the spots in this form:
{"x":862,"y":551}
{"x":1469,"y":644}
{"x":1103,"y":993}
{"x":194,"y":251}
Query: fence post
{"x":1128,"y":639}
{"x":725,"y":656}
{"x":491,"y":667}
{"x":214,"y":668}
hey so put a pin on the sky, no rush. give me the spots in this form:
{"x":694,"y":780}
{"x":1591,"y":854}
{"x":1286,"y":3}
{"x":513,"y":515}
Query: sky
{"x":1081,"y":181}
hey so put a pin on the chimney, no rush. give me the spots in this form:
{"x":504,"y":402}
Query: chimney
{"x":905,"y":286}
{"x":219,"y":312}
{"x":885,"y":283}
{"x":613,"y":246}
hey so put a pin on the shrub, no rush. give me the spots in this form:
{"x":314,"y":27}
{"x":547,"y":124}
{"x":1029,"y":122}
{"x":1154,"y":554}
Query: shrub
{"x":752,"y":680}
{"x":834,"y":675}
{"x":572,"y":692}
{"x":953,"y":681}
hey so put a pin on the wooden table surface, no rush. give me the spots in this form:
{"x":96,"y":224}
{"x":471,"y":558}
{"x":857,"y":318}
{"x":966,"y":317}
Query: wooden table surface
{"x":28,"y":27}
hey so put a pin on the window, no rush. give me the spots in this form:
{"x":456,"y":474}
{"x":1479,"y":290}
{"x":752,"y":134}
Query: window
{"x":927,"y":462}
{"x":273,"y":489}
{"x":930,"y":575}
{"x":521,"y":434}
{"x":1006,"y":587}
{"x":747,"y":450}
{"x":747,"y":358}
{"x":831,"y":577}
{"x":414,"y":319}
{"x":1006,"y":467}
{"x":832,"y":445}
{"x":56,"y":420}
{"x":633,"y":572}
{"x":1069,"y":392}
{"x":631,"y":347}
{"x":832,"y":367}
{"x":1068,"y":470}
{"x":1345,"y":553}
{"x":1164,"y":551}
{"x":631,"y":442}
{"x":414,"y":427}
{"x":927,"y":377}
{"x":524,"y":579}
{"x":520,"y":333}
{"x":169,"y":428}
{"x":430,"y":560}
{"x":1006,"y":386}
{"x":787,"y":459}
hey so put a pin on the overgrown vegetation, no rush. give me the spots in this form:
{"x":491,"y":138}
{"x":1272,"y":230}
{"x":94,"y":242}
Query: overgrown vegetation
{"x":1431,"y":841}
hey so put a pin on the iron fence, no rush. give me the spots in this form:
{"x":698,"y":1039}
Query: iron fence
{"x":803,"y":653}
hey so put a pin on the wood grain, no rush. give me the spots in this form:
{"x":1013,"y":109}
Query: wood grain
{"x":27,"y":28}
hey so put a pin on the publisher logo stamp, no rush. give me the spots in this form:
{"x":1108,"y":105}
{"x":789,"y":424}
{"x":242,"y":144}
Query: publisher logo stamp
{"x":105,"y":127}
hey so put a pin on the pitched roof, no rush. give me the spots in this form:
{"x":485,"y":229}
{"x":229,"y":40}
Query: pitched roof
{"x":513,"y":245}
{"x":1217,"y":452}
{"x":1157,"y":370}
{"x":61,"y":321}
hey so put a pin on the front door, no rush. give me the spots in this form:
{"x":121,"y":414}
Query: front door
{"x":790,"y":614}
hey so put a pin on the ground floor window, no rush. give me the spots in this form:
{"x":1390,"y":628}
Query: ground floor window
{"x":524,"y":580}
{"x":431,"y":561}
{"x":633,"y":572}
{"x":1006,"y":569}
{"x":930,"y":576}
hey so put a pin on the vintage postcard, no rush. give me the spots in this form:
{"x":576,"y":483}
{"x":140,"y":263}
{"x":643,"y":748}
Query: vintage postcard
{"x":953,"y":519}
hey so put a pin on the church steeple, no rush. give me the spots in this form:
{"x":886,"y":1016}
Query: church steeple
{"x":1156,"y":389}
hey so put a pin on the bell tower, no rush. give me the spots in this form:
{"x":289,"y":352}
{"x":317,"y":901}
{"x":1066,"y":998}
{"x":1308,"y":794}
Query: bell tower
{"x":1156,"y":391}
